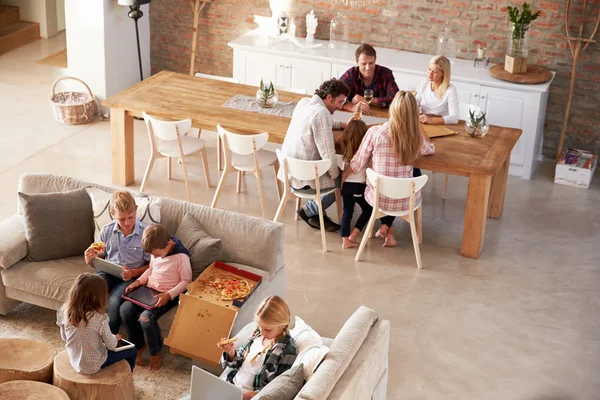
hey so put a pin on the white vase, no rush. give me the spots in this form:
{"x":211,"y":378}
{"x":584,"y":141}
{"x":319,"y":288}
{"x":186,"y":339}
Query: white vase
{"x":310,"y":37}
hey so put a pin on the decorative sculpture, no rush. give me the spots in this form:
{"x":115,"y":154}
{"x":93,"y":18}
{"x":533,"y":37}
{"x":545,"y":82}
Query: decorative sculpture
{"x":311,"y":26}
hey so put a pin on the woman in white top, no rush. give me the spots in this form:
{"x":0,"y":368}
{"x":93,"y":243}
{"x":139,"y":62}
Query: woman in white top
{"x":437,"y":97}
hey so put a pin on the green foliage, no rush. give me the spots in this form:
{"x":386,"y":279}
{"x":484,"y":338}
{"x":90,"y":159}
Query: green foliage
{"x":267,"y":91}
{"x":521,"y":20}
{"x":477,"y":122}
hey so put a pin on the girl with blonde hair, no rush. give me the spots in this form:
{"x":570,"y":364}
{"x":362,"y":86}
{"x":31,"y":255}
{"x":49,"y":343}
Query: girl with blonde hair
{"x":391,"y":149}
{"x":437,"y":97}
{"x":84,"y":327}
{"x":268,"y":353}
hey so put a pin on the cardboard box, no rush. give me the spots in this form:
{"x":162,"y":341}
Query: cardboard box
{"x":202,"y":318}
{"x":575,"y":168}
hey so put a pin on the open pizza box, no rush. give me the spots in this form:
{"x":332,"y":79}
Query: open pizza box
{"x":203,"y":318}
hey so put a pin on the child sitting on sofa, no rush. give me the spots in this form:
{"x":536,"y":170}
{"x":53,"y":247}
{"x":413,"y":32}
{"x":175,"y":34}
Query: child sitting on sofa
{"x":268,"y":353}
{"x":169,"y":272}
{"x":123,"y":245}
{"x":84,"y":327}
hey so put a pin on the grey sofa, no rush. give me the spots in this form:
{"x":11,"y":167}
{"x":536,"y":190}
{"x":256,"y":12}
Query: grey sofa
{"x":249,"y":243}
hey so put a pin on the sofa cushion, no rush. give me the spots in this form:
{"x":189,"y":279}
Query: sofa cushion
{"x":204,"y":249}
{"x":285,"y":387}
{"x":309,"y":345}
{"x":57,"y":224}
{"x":148,"y":209}
{"x":343,"y":349}
{"x":51,"y":279}
{"x":13,"y":246}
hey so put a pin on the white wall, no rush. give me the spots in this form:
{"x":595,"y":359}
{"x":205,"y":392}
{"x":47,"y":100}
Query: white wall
{"x":60,"y":15}
{"x":101,"y":45}
{"x":40,"y":11}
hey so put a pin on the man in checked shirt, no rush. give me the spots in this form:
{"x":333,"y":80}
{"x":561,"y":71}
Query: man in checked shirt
{"x":310,"y":137}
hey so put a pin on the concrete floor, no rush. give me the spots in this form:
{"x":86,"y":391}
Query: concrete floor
{"x":521,"y":322}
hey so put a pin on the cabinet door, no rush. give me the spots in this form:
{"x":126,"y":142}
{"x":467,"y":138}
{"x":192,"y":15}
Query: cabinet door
{"x":506,"y":108}
{"x":251,"y":67}
{"x":337,"y":70}
{"x":410,"y":82}
{"x":468,"y":94}
{"x":306,"y":74}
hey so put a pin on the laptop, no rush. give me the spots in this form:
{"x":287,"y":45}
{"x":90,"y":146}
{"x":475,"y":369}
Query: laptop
{"x":107,"y":266}
{"x":206,"y":386}
{"x":143,"y":296}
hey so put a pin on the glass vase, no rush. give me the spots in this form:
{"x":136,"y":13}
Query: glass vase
{"x":338,"y":32}
{"x":446,"y":44}
{"x":518,"y":41}
{"x":266,"y":101}
{"x":476,"y":130}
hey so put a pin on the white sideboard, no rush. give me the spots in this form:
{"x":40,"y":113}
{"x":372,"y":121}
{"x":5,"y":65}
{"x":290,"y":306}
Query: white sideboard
{"x":506,"y":104}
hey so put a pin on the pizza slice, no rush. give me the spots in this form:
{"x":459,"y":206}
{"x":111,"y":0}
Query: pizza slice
{"x":98,"y":247}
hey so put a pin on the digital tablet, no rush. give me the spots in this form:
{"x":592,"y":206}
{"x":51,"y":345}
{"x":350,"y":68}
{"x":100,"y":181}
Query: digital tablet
{"x":124,"y":345}
{"x":107,"y":266}
{"x":143,"y":296}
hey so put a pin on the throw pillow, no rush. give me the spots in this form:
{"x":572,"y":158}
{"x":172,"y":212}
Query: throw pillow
{"x":309,"y":345}
{"x":204,"y":249}
{"x":148,"y":209}
{"x":285,"y":387}
{"x":57,"y":225}
{"x":310,"y":359}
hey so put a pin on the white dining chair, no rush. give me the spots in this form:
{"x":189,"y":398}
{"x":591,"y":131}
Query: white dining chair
{"x":397,"y":188}
{"x":305,"y":170}
{"x":243,"y":153}
{"x":168,"y":139}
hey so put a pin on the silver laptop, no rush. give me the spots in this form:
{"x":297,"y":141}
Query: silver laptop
{"x":206,"y":386}
{"x":107,"y":266}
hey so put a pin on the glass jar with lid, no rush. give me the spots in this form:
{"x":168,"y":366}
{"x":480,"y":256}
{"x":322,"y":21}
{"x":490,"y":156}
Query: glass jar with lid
{"x":338,"y":32}
{"x":446,"y":44}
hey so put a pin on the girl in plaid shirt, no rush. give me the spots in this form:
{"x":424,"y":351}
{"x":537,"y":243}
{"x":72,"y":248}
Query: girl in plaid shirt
{"x":268,"y":353}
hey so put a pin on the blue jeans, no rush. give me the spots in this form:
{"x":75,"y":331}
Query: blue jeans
{"x":146,"y":326}
{"x":116,"y":356}
{"x":352,"y":193}
{"x":312,"y":209}
{"x":116,"y":288}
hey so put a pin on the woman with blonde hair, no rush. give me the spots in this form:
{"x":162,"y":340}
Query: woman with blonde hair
{"x":391,"y":149}
{"x":268,"y":353}
{"x":437,"y":97}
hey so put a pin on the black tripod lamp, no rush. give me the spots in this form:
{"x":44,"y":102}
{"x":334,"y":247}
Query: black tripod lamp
{"x":136,"y":13}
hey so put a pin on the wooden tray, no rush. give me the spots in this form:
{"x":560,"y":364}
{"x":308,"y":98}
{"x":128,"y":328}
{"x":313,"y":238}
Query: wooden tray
{"x":534,"y":75}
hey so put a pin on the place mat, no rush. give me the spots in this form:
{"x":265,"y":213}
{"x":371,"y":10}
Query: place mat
{"x":247,"y":103}
{"x":437,"y":130}
{"x":534,"y":75}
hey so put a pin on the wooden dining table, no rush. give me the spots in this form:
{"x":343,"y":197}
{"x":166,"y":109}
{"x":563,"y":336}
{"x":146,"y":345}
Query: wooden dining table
{"x":177,"y":96}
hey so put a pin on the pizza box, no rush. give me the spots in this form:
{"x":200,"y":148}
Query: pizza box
{"x":202,"y":318}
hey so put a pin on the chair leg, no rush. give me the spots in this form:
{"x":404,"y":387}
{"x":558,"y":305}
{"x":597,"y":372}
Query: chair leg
{"x":239,"y":181}
{"x":415,"y":239}
{"x":260,"y":193}
{"x":282,"y":204}
{"x":445,"y":186}
{"x":338,"y":203}
{"x":199,"y":133}
{"x":219,"y":187}
{"x":277,"y":181}
{"x":298,"y":207}
{"x":219,"y":153}
{"x":366,"y":236}
{"x":185,"y":178}
{"x":205,"y":165}
{"x":147,"y":173}
{"x":323,"y":238}
{"x":169,"y":168}
{"x":420,"y":224}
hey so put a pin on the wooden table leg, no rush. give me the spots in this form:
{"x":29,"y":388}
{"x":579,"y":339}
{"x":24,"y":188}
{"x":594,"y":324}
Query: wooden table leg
{"x":475,"y":215}
{"x":498,"y":190}
{"x":121,"y":130}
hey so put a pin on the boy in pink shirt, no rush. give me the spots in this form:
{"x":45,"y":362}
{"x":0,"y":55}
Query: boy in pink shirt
{"x":169,"y":273}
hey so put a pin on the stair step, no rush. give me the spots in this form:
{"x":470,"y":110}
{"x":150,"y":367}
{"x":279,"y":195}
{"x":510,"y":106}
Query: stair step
{"x":18,"y":34}
{"x":8,"y":15}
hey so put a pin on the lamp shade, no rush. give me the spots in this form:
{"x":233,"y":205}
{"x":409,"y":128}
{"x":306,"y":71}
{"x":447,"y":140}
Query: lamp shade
{"x":133,"y":2}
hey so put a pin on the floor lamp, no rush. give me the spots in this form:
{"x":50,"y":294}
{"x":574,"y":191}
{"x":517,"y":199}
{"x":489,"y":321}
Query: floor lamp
{"x":136,"y":13}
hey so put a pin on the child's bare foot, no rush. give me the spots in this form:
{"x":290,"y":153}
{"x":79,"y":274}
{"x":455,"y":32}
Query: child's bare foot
{"x":156,"y":362}
{"x":348,"y":244}
{"x":390,"y":240}
{"x":139,"y":359}
{"x":382,"y":232}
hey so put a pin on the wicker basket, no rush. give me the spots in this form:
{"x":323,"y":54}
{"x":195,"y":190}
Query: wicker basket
{"x":73,"y":108}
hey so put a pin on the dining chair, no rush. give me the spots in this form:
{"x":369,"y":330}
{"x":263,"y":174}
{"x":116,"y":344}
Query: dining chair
{"x":168,"y":139}
{"x":305,"y":170}
{"x":243,"y":153}
{"x":397,"y":188}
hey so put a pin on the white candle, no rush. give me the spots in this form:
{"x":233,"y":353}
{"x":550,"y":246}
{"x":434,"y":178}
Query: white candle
{"x":481,"y":52}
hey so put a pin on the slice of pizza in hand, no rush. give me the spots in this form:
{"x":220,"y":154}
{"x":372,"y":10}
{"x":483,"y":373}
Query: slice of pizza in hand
{"x":98,"y":247}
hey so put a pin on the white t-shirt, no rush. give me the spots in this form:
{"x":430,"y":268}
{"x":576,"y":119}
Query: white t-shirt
{"x":356,"y":177}
{"x":446,"y":107}
{"x":244,"y":379}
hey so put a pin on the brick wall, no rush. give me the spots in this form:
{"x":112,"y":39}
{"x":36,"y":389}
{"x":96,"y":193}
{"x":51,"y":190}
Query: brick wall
{"x":408,"y":25}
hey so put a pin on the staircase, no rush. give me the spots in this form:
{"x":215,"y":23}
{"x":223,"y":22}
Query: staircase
{"x":14,"y":32}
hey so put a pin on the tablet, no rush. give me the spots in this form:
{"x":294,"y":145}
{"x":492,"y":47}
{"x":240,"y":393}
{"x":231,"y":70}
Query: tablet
{"x":107,"y":266}
{"x":124,"y":345}
{"x":143,"y":296}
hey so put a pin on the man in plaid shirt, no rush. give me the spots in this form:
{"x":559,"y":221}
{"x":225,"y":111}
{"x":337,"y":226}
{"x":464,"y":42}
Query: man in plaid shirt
{"x":368,"y":75}
{"x":310,"y":137}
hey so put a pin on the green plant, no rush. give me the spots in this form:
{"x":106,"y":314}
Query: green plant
{"x":266,"y":91}
{"x":477,"y":122}
{"x":521,"y":20}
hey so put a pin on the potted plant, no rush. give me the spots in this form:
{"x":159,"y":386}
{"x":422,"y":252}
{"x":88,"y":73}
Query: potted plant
{"x":518,"y":42}
{"x":266,"y":96}
{"x":476,"y":125}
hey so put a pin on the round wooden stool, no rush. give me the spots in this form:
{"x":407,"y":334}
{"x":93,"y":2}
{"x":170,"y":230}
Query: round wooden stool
{"x":25,"y":359}
{"x":112,"y":382}
{"x":31,"y":390}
